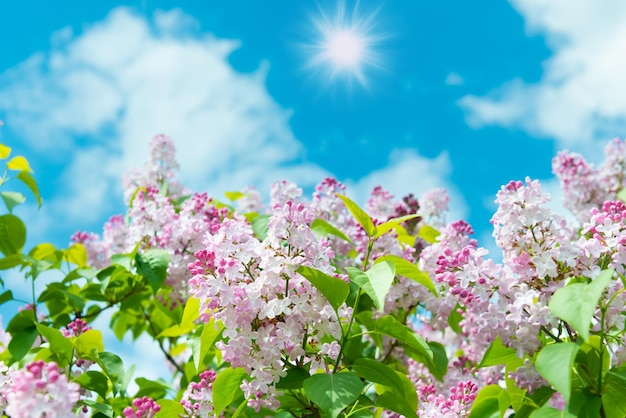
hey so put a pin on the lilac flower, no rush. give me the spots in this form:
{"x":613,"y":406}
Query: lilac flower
{"x":40,"y":390}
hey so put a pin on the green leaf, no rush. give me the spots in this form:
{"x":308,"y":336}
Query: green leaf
{"x":334,"y":290}
{"x":22,"y":342}
{"x":376,"y":282}
{"x":377,"y":372}
{"x":29,"y":181}
{"x":12,"y":234}
{"x":321,"y":224}
{"x":259,"y":226}
{"x":11,"y":261}
{"x":59,"y":345}
{"x":170,"y":409}
{"x":88,"y":343}
{"x":153,"y":266}
{"x":554,"y":363}
{"x":12,"y":199}
{"x":576,"y":303}
{"x":409,"y":270}
{"x":396,"y":403}
{"x":113,"y":367}
{"x":6,"y":296}
{"x":102,"y":408}
{"x":390,"y":326}
{"x":491,"y":402}
{"x":226,"y":388}
{"x":19,"y":163}
{"x":210,"y":333}
{"x":93,"y":380}
{"x":360,"y":215}
{"x":4,"y":152}
{"x":294,"y":379}
{"x":333,"y":392}
{"x":439,"y":365}
{"x":497,"y":354}
{"x":613,"y":399}
{"x":383,"y":228}
{"x":150,"y":388}
{"x":187,"y":324}
{"x":549,"y":412}
{"x":621,"y":195}
{"x":428,"y":234}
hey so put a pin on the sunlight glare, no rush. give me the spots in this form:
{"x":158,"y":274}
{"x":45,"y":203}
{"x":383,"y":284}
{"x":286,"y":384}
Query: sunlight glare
{"x":345,"y":44}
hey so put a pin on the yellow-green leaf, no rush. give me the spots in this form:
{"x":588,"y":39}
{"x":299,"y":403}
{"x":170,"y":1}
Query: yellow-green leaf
{"x":4,"y":151}
{"x":19,"y":163}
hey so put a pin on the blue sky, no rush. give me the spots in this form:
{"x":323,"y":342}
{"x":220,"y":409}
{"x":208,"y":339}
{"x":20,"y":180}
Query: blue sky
{"x":465,"y":96}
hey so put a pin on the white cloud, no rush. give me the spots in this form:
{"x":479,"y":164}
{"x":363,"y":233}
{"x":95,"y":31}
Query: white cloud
{"x":408,"y":172}
{"x":581,"y":95}
{"x":94,"y":102}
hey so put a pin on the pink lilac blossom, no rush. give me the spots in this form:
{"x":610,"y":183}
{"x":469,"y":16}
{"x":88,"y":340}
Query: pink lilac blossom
{"x":266,"y":308}
{"x":41,"y":390}
{"x":142,"y":408}
{"x":198,"y":397}
{"x":434,"y":206}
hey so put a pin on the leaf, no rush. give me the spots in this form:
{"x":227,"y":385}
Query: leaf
{"x":613,"y":399}
{"x":170,"y":409}
{"x":4,"y":152}
{"x":113,"y":367}
{"x":88,"y":342}
{"x":234,"y":195}
{"x":22,"y":342}
{"x":333,"y":392}
{"x":94,"y":380}
{"x":76,"y":254}
{"x":334,"y":290}
{"x":12,"y":234}
{"x":6,"y":296}
{"x":19,"y":163}
{"x":497,"y":354}
{"x":59,"y":345}
{"x":383,"y":228}
{"x":324,"y":226}
{"x":376,"y":282}
{"x":150,"y":388}
{"x":396,"y":403}
{"x":554,"y":363}
{"x":491,"y":402}
{"x":226,"y":388}
{"x":29,"y":181}
{"x":11,"y":261}
{"x":577,"y":302}
{"x":12,"y":199}
{"x":428,"y":234}
{"x":409,"y":270}
{"x":294,"y":379}
{"x":621,"y":195}
{"x":259,"y":226}
{"x":360,"y":215}
{"x":102,"y":408}
{"x":549,"y":412}
{"x":377,"y":372}
{"x":390,"y":326}
{"x":153,"y":266}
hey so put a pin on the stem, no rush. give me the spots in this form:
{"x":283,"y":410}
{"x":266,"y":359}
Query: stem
{"x":32,"y":288}
{"x":165,"y":352}
{"x":603,"y":313}
{"x":344,"y":337}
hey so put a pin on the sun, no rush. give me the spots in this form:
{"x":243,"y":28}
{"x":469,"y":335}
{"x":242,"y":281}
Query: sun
{"x":345,"y":45}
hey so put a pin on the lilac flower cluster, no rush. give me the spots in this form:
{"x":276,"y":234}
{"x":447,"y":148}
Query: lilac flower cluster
{"x":143,"y":407}
{"x":38,"y":390}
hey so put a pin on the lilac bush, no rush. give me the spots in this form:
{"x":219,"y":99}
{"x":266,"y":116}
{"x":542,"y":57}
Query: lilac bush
{"x":297,"y":307}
